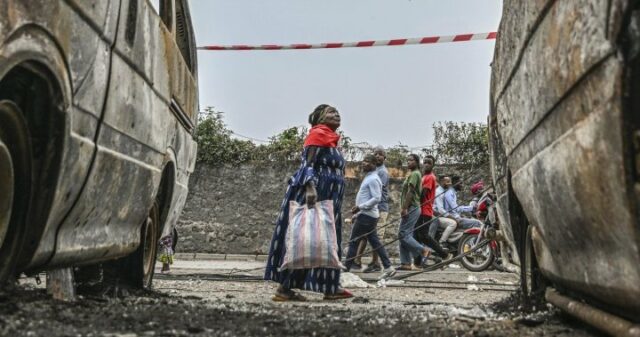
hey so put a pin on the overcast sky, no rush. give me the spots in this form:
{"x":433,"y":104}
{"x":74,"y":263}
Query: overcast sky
{"x":386,"y":95}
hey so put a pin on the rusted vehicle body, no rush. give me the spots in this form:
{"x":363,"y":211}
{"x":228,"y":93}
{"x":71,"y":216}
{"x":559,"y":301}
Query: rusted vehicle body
{"x":564,"y":135}
{"x":98,"y":101}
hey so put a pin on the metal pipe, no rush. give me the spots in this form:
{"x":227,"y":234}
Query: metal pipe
{"x":612,"y":325}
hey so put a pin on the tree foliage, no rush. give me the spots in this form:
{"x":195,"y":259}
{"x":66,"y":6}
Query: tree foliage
{"x":460,"y":143}
{"x":286,"y":145}
{"x":454,"y":143}
{"x":397,"y":155}
{"x":215,"y":144}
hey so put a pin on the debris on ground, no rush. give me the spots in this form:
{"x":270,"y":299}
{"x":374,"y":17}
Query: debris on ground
{"x":183,"y":306}
{"x":351,"y":280}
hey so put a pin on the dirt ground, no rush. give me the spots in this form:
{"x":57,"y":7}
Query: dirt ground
{"x":199,"y":299}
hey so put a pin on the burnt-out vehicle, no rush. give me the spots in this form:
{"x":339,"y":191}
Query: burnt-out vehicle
{"x":98,"y":101}
{"x":565,"y":144}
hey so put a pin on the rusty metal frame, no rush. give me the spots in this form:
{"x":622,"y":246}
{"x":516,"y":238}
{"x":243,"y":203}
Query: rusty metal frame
{"x":613,"y":325}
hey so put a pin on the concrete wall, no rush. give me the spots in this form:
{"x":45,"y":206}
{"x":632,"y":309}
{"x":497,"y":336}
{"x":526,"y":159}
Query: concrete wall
{"x":233,"y":209}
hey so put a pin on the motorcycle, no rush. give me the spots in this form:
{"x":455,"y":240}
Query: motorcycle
{"x":488,"y":255}
{"x":484,"y":257}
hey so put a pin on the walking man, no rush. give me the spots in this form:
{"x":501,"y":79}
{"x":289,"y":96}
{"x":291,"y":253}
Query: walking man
{"x":410,"y":212}
{"x":426,"y":214}
{"x":383,"y":208}
{"x":367,"y":214}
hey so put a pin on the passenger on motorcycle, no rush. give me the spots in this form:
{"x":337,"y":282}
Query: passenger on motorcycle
{"x":451,"y":205}
{"x":444,"y":221}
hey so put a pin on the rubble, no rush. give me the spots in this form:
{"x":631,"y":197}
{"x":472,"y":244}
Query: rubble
{"x":182,"y":304}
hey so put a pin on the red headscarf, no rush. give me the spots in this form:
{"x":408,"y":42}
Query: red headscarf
{"x":322,"y":135}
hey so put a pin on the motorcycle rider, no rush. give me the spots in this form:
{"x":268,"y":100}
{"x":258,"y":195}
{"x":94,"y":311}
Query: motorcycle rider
{"x":455,"y":210}
{"x":444,"y":221}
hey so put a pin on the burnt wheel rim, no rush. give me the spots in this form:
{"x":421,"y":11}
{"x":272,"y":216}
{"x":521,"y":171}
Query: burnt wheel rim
{"x":150,"y":246}
{"x":7,"y":182}
{"x":15,"y":184}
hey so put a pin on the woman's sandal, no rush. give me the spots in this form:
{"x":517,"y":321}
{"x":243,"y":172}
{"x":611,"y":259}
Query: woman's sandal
{"x":344,"y":293}
{"x":288,"y":296}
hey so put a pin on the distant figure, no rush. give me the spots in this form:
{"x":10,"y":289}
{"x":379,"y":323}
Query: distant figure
{"x":383,"y":208}
{"x":167,"y":250}
{"x":320,"y":177}
{"x":367,"y":214}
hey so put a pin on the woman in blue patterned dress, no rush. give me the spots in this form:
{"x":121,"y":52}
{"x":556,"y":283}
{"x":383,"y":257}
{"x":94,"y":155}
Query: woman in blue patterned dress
{"x":320,"y":177}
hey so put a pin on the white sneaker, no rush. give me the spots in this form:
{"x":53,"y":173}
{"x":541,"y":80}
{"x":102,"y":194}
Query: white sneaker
{"x":387,"y":273}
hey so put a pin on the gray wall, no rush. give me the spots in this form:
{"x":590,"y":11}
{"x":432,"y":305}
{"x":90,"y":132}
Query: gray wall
{"x":233,"y":209}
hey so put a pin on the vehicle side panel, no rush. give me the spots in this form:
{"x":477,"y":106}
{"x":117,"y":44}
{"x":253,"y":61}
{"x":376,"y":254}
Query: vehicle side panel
{"x":52,"y":33}
{"x":552,"y":63}
{"x":561,"y":122}
{"x":138,"y":132}
{"x":519,"y":19}
{"x":572,"y":193}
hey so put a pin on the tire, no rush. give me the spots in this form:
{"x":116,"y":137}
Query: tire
{"x":532,"y":282}
{"x":15,"y":180}
{"x":137,"y":269}
{"x":145,"y":257}
{"x":479,"y":260}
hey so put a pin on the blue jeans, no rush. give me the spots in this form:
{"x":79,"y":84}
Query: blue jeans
{"x":466,"y":223}
{"x":365,"y":224}
{"x":409,"y":247}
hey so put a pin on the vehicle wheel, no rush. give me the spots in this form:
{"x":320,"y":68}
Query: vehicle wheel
{"x":478,"y":260}
{"x":137,"y":269}
{"x":15,"y":186}
{"x":145,"y":257}
{"x":532,"y":283}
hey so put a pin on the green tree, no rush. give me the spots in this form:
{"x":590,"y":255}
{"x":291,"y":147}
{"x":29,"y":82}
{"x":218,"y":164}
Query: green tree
{"x":215,"y":144}
{"x":286,"y":145}
{"x":460,"y":143}
{"x":397,"y":155}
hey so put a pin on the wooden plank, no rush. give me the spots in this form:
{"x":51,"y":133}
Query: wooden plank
{"x":60,"y":284}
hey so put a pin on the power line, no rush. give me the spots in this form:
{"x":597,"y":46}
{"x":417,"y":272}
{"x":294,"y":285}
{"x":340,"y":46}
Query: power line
{"x":250,"y":138}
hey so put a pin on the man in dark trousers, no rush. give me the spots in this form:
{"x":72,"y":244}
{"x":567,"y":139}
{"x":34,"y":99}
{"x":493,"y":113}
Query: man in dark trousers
{"x":366,"y":215}
{"x":426,"y":212}
{"x":383,"y":207}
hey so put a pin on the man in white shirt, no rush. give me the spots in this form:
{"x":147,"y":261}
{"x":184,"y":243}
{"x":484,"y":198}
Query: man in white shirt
{"x":444,"y":220}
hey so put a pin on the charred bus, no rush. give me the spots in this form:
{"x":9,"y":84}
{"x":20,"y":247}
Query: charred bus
{"x":565,"y":144}
{"x":98,"y":103}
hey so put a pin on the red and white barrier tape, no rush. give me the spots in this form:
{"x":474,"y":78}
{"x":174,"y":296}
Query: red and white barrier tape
{"x":360,"y":44}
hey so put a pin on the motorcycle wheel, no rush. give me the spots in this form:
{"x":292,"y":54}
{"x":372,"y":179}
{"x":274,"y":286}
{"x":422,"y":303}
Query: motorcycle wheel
{"x":479,"y":260}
